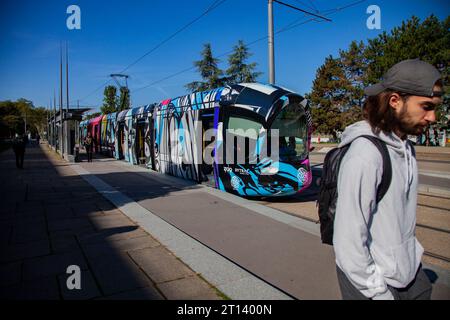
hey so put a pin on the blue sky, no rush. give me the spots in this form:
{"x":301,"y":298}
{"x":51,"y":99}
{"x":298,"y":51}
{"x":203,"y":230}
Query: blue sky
{"x":115,"y":33}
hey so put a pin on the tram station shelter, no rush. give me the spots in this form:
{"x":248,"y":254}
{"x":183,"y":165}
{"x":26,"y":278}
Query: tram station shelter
{"x":63,"y":131}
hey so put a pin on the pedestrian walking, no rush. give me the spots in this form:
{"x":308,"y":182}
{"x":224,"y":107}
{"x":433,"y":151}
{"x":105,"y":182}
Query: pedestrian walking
{"x":38,"y":139}
{"x":88,"y":145}
{"x":19,"y":144}
{"x":377,"y":253}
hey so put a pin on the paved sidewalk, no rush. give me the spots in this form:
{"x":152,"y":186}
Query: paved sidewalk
{"x":50,"y":218}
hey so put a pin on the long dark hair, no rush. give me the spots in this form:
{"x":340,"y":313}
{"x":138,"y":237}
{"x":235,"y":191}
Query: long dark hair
{"x":379,"y":113}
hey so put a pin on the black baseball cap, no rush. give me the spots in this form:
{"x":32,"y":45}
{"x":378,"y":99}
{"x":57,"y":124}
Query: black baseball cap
{"x":413,"y":76}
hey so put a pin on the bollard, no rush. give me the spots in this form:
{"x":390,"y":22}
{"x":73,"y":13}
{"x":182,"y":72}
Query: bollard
{"x":76,"y":152}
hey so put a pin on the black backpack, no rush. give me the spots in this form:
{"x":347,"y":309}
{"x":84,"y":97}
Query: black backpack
{"x":328,"y":185}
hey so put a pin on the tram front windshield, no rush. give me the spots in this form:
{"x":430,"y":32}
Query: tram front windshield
{"x":292,"y":133}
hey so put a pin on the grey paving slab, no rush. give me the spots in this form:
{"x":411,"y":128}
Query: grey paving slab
{"x":10,"y":273}
{"x":55,"y":264}
{"x":88,"y":287}
{"x":29,"y":232}
{"x":65,"y":243}
{"x":160,"y":265}
{"x":147,"y":293}
{"x":105,"y":222}
{"x":39,"y":289}
{"x":112,"y":234}
{"x":190,"y":288}
{"x":5,"y":234}
{"x":24,"y":250}
{"x":73,"y":224}
{"x":111,"y":276}
{"x":124,"y":245}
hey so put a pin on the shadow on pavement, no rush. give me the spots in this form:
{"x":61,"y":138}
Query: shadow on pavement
{"x":50,"y":219}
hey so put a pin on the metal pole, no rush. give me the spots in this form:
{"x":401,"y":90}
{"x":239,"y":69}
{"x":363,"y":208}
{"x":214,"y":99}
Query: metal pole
{"x":61,"y":144}
{"x":48,"y":121}
{"x":68,"y":147}
{"x":54,"y":119}
{"x":271,"y":44}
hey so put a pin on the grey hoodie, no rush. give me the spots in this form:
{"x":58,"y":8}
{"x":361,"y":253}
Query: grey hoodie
{"x":375,"y":245}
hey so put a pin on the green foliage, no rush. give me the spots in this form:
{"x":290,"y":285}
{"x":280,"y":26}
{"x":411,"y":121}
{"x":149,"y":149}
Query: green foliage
{"x":209,"y":71}
{"x":109,"y":100}
{"x":337,"y":95}
{"x":238,"y":70}
{"x":331,"y":97}
{"x":124,"y":99}
{"x":428,"y":41}
{"x":14,"y":115}
{"x":212,"y":75}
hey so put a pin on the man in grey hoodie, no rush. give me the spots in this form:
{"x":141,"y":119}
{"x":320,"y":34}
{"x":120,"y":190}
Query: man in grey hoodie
{"x":377,"y":253}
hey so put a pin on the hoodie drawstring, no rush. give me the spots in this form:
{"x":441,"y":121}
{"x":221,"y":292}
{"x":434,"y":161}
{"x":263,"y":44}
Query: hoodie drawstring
{"x":408,"y":164}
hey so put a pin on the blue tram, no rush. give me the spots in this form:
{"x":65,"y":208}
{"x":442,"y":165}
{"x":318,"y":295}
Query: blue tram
{"x":248,"y":139}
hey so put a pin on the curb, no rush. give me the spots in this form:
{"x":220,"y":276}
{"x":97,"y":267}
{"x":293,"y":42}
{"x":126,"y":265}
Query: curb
{"x":433,"y":190}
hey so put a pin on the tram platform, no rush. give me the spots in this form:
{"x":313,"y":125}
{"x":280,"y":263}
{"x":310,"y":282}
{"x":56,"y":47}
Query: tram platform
{"x":241,"y":249}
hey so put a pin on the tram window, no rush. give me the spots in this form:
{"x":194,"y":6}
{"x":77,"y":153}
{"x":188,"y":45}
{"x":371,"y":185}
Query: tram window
{"x":244,"y":127}
{"x":244,"y":134}
{"x":292,"y":128}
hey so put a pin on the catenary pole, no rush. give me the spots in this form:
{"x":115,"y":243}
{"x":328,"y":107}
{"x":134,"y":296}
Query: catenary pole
{"x":271,"y":43}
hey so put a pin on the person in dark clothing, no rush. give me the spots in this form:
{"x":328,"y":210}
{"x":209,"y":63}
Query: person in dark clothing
{"x":38,"y":139}
{"x":19,"y":143}
{"x":89,"y":144}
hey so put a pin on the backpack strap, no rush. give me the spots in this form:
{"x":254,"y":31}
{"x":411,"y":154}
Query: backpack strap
{"x":387,"y":166}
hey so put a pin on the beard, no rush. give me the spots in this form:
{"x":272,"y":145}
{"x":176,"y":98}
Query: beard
{"x":406,"y":125}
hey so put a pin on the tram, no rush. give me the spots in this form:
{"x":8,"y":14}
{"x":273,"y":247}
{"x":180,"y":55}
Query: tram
{"x":248,"y":139}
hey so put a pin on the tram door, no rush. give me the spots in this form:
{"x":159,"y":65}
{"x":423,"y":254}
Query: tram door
{"x":140,"y":146}
{"x":121,"y":137}
{"x":207,"y":117}
{"x":150,"y":140}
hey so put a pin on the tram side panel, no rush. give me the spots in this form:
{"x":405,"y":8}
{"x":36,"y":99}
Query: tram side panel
{"x":175,"y":144}
{"x":103,"y":135}
{"x":110,"y":134}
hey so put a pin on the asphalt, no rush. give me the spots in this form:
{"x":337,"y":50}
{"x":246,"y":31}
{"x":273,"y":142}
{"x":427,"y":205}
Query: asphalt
{"x":223,"y":245}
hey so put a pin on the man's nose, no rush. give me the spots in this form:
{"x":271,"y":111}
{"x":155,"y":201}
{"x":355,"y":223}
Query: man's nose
{"x":430,"y":116}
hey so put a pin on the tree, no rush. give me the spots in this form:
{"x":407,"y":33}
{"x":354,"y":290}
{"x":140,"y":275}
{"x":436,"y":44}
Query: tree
{"x":14,"y":115}
{"x":109,"y":100}
{"x":354,"y":65}
{"x":238,"y":70}
{"x":329,"y":96}
{"x":124,"y":99}
{"x":11,"y":120}
{"x":337,"y":94}
{"x":427,"y":41}
{"x":209,"y":71}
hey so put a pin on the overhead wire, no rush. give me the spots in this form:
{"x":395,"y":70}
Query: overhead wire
{"x":290,"y":26}
{"x":213,"y":6}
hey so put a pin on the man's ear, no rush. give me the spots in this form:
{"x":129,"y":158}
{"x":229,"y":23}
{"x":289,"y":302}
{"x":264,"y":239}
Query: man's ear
{"x":395,"y":101}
